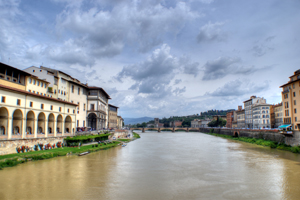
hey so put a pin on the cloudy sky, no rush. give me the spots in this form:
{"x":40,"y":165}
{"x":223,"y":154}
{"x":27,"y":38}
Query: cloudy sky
{"x":159,"y":58}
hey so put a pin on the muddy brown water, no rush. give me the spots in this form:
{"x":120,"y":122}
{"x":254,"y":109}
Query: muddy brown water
{"x":173,"y":166}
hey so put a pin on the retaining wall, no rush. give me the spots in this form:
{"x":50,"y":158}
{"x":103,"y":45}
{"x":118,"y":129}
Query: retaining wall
{"x":9,"y":146}
{"x":273,"y":135}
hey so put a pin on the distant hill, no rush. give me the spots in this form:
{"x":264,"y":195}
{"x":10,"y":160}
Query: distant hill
{"x":137,"y":120}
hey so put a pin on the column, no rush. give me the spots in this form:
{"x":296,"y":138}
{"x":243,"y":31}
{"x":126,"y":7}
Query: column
{"x":36,"y":126}
{"x":24,"y":128}
{"x":9,"y":127}
{"x":54,"y":125}
{"x":46,"y":128}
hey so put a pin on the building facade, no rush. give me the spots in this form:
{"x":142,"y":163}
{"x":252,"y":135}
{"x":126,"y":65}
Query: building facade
{"x":112,"y":116}
{"x":261,"y":116}
{"x":31,"y":114}
{"x":240,"y":118}
{"x":291,"y":101}
{"x":229,"y":119}
{"x":248,"y":104}
{"x":175,"y":123}
{"x":278,"y":115}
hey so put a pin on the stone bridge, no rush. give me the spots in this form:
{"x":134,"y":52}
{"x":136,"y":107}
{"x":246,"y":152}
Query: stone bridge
{"x":173,"y":129}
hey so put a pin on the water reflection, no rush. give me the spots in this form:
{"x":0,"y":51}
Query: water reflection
{"x":160,"y":166}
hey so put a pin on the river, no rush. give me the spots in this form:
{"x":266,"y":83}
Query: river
{"x":172,"y":166}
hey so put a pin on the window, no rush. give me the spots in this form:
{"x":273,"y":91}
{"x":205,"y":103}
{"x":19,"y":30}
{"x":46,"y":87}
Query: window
{"x":37,"y":92}
{"x":33,"y":70}
{"x":51,"y":107}
{"x":77,"y":123}
{"x":78,"y":90}
{"x":38,"y":83}
{"x":54,"y":91}
{"x":29,"y":90}
{"x":92,"y":106}
{"x":45,"y":85}
{"x":3,"y":99}
{"x":84,"y":107}
{"x":295,"y":110}
{"x":59,"y":109}
{"x":34,"y":82}
{"x":72,"y":88}
{"x":295,"y":119}
{"x":83,"y":123}
{"x":42,"y":84}
{"x":294,"y":86}
{"x":42,"y":106}
{"x":74,"y":111}
{"x":295,"y":102}
{"x":72,"y":101}
{"x":65,"y":93}
{"x":31,"y":104}
{"x":30,"y":80}
{"x":294,"y":94}
{"x":18,"y":102}
{"x":58,"y":91}
{"x":68,"y":110}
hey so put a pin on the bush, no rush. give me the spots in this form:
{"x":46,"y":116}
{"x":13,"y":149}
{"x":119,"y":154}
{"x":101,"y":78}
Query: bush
{"x":211,"y":130}
{"x":273,"y":145}
{"x":295,"y":149}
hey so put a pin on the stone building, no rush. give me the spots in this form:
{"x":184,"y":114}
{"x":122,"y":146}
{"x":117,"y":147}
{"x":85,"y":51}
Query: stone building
{"x":97,"y":108}
{"x":112,"y":116}
{"x":229,"y":119}
{"x":196,"y":123}
{"x":291,"y":101}
{"x":240,"y":113}
{"x":120,"y":122}
{"x":27,"y":111}
{"x":248,"y":104}
{"x":278,"y":115}
{"x":261,"y":116}
{"x":175,"y":123}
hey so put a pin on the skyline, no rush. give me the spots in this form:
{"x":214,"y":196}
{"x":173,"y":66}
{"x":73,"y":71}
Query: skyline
{"x":159,"y":58}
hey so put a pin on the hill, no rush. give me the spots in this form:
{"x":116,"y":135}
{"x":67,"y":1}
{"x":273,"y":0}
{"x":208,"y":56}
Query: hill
{"x":137,"y":120}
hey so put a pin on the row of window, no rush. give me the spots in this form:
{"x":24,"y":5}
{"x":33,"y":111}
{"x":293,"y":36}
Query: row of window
{"x":73,"y":88}
{"x":3,"y":100}
{"x":43,"y":94}
{"x":38,"y":83}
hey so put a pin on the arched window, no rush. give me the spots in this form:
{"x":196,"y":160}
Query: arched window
{"x":40,"y":130}
{"x":263,"y":111}
{"x":264,"y":116}
{"x":264,"y":121}
{"x":58,"y":131}
{"x":2,"y":130}
{"x":67,"y":130}
{"x":16,"y":130}
{"x":49,"y":129}
{"x":28,"y":130}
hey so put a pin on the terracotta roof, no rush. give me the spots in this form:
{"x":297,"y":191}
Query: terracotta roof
{"x":290,"y":82}
{"x":32,"y":94}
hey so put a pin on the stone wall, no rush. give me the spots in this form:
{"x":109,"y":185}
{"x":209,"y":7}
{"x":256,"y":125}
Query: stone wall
{"x":273,"y":135}
{"x":9,"y":146}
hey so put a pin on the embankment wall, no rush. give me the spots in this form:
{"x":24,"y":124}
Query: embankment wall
{"x":273,"y":135}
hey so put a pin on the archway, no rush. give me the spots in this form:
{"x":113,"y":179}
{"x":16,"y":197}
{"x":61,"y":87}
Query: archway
{"x":30,"y":122}
{"x":68,"y":124}
{"x":92,"y":121}
{"x":236,"y":134}
{"x":17,"y":122}
{"x":51,"y":124}
{"x":41,"y":123}
{"x":59,"y":124}
{"x":3,"y":121}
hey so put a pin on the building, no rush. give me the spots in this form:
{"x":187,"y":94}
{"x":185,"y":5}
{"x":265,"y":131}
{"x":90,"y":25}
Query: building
{"x":112,"y":116}
{"x":223,"y":117}
{"x":278,"y":115}
{"x":120,"y":122}
{"x":64,"y":87}
{"x":240,"y":113}
{"x":229,"y":119}
{"x":27,"y":111}
{"x":97,"y":108}
{"x":291,"y":101}
{"x":248,"y":104}
{"x":196,"y":123}
{"x":156,"y":120}
{"x":261,"y":116}
{"x":175,"y":123}
{"x":204,"y":123}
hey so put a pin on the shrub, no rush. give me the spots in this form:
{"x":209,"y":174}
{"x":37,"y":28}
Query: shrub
{"x":295,"y":149}
{"x":211,"y":130}
{"x":273,"y":145}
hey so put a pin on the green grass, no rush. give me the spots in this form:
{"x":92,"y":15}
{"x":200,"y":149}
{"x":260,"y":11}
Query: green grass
{"x":135,"y":135}
{"x":262,"y":142}
{"x":124,"y":140}
{"x":17,"y":158}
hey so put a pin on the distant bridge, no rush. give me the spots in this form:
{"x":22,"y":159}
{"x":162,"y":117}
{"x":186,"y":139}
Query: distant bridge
{"x":173,"y":129}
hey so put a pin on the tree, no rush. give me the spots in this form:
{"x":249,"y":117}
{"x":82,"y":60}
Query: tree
{"x":144,"y":124}
{"x":186,"y":124}
{"x":217,"y":123}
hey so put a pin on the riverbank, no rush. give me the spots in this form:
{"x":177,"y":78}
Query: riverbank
{"x":262,"y":142}
{"x":11,"y":160}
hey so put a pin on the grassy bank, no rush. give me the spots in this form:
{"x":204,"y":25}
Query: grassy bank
{"x":15,"y":159}
{"x":135,"y":135}
{"x":262,"y":142}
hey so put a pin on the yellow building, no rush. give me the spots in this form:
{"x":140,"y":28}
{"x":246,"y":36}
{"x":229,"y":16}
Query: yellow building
{"x":26,"y":111}
{"x":291,"y":101}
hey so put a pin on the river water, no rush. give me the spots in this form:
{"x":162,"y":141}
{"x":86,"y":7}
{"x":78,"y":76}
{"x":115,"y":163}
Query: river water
{"x":173,"y":166}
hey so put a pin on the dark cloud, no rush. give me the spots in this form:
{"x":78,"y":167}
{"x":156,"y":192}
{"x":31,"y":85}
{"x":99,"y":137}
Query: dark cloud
{"x":211,"y":32}
{"x":179,"y":91}
{"x":177,"y":81}
{"x":224,"y":66}
{"x":191,"y":68}
{"x":239,"y":88}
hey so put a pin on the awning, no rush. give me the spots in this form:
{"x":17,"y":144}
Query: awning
{"x":285,"y":126}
